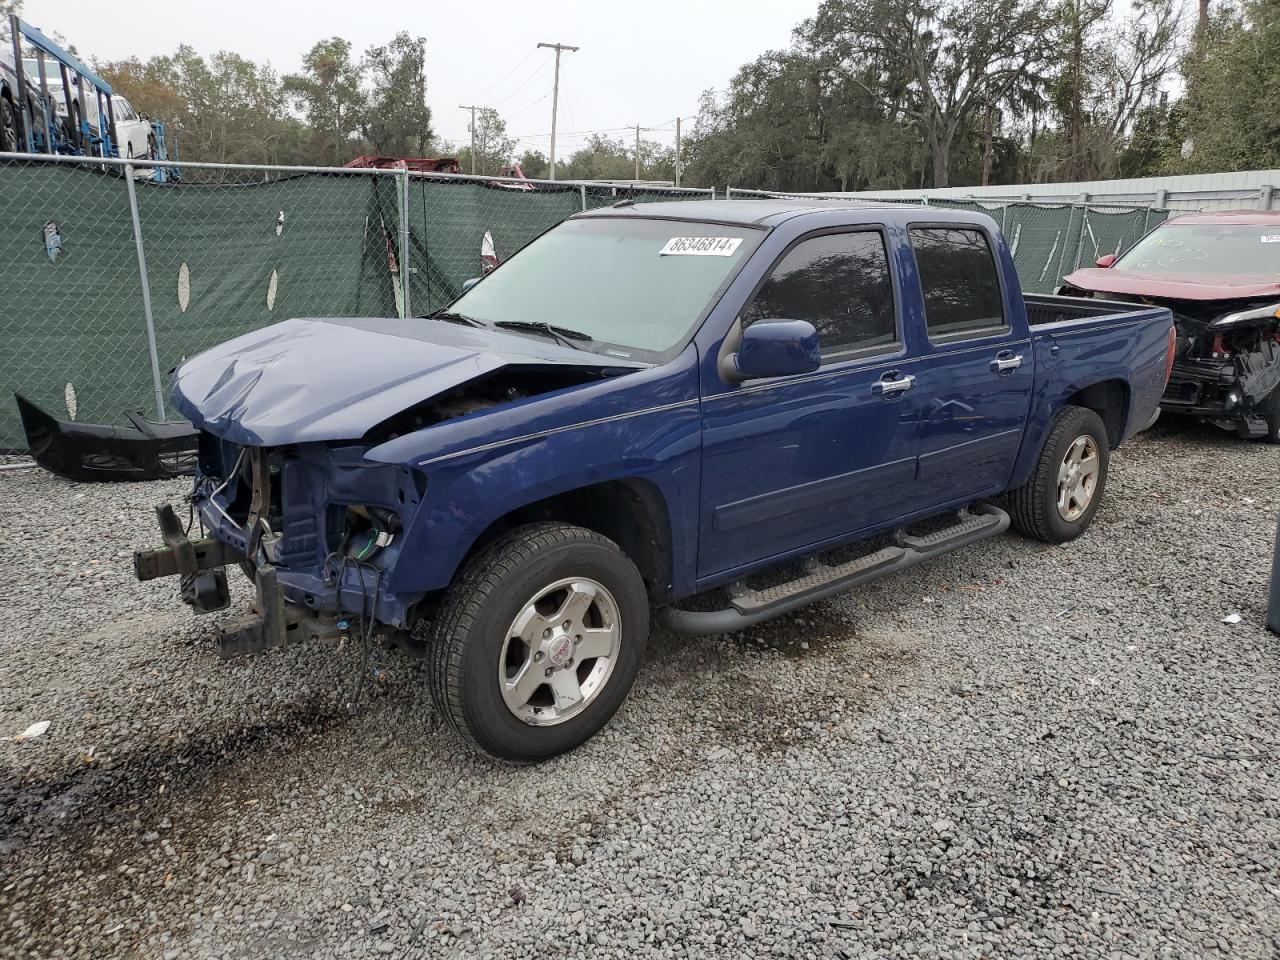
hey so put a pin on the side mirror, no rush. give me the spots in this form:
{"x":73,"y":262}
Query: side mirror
{"x":1106,"y":261}
{"x":773,"y":348}
{"x":468,"y":284}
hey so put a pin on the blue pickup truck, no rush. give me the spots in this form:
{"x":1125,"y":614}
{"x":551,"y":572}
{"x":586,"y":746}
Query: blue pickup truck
{"x":710,"y":412}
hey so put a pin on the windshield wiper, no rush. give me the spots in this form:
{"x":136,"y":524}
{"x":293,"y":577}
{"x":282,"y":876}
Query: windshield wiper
{"x":451,"y":317}
{"x":560,"y":334}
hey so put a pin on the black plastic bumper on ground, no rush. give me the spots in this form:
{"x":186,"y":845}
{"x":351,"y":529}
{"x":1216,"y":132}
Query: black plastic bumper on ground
{"x":749,"y":607}
{"x":95,"y":452}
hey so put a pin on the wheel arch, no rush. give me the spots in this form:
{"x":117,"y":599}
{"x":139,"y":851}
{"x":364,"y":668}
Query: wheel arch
{"x":1110,"y":400}
{"x":632,"y":512}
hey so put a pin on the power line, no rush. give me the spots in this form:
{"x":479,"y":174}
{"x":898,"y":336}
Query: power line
{"x":497,"y":82}
{"x":536,"y":75}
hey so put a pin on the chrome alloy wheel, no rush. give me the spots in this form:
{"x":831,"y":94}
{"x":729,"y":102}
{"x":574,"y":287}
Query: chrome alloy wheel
{"x":1078,"y":478}
{"x":559,"y":651}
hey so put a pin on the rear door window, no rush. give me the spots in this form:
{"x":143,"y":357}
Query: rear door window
{"x":959,"y":280}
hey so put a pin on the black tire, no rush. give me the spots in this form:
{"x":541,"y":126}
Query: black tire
{"x":8,"y":126}
{"x":1033,"y":507}
{"x":493,"y":587}
{"x":72,"y":124}
{"x":152,"y":146}
{"x":1271,"y":412}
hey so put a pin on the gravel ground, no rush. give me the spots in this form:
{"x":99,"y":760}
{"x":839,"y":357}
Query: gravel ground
{"x":1012,"y":751}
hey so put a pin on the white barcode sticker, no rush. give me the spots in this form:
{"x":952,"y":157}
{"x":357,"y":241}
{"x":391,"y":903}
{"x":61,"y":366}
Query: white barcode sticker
{"x":700,"y":247}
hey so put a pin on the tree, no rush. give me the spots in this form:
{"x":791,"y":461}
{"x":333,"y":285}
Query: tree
{"x":1114,"y":71}
{"x":493,"y":148}
{"x":933,"y":63}
{"x":225,"y":110}
{"x":1230,"y":116}
{"x":398,"y":121}
{"x":328,"y":92}
{"x":533,"y":164}
{"x":606,"y":158}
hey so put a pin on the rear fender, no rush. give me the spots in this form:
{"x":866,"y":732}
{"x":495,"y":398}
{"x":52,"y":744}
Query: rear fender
{"x":1134,"y":358}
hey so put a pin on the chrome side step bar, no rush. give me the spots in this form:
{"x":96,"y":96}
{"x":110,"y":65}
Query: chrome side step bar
{"x":748,"y":607}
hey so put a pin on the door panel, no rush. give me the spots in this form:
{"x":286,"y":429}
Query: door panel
{"x":800,"y":460}
{"x":798,"y":463}
{"x":971,"y":423}
{"x":975,"y":382}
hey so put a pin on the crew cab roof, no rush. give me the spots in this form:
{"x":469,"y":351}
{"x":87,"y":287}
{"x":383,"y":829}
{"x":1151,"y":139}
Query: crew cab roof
{"x":770,"y":213}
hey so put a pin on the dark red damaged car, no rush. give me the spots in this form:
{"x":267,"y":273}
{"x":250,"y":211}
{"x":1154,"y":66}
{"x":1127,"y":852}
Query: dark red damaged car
{"x":1219,"y":273}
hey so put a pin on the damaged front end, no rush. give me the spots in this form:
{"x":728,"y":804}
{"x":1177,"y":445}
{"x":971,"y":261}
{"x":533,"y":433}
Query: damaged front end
{"x":1227,"y":366}
{"x":316,"y":527}
{"x":283,"y":486}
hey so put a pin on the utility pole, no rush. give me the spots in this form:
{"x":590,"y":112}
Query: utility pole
{"x":677,"y":164}
{"x":473,"y":108}
{"x":637,"y":151}
{"x":555,"y":99}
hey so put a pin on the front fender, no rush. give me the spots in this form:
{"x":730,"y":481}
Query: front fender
{"x":467,"y":494}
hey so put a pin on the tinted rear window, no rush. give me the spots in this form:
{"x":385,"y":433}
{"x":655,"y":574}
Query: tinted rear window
{"x":958,"y":279}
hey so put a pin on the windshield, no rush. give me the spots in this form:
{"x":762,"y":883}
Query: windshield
{"x":1207,"y":248}
{"x":636,"y":287}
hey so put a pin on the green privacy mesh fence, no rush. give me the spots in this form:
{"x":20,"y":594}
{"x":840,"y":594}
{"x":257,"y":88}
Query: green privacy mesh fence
{"x":228,"y":252}
{"x":238,"y":248}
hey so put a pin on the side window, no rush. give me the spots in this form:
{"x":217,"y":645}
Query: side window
{"x":838,"y":282}
{"x":959,"y":280}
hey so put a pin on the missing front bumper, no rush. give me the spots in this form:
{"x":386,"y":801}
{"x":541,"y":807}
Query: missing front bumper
{"x":201,"y":567}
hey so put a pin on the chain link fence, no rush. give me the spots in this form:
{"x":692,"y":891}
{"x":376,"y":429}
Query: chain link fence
{"x":109,"y":279}
{"x":1047,"y":240}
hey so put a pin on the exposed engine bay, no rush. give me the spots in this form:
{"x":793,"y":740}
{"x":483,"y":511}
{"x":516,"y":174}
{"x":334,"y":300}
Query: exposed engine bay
{"x":506,"y":385}
{"x":1226,"y":370}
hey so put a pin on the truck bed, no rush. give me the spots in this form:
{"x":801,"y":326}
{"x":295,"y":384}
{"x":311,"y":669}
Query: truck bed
{"x":1047,"y":308}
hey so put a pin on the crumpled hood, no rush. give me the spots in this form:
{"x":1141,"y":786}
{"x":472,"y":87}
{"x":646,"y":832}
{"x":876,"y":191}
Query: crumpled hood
{"x":1183,"y":286}
{"x":308,"y":380}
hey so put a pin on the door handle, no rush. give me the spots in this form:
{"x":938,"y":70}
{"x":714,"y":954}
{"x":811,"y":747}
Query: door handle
{"x":1006,"y":362}
{"x":891,"y":388}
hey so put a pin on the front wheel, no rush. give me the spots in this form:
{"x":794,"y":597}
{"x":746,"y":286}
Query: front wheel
{"x":1058,"y":503}
{"x":538,"y":641}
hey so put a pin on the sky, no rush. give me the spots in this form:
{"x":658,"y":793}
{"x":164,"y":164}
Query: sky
{"x":646,"y":65}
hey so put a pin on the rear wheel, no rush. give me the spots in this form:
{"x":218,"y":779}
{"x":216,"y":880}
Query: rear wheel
{"x":538,"y":641}
{"x":1058,"y":502}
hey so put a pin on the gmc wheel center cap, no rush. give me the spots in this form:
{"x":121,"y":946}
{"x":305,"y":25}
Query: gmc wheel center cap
{"x":558,"y":650}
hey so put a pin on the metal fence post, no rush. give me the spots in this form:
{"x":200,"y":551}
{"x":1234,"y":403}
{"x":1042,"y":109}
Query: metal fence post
{"x":405,"y":269}
{"x":1084,"y":225}
{"x":146,"y":290}
{"x":582,"y":192}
